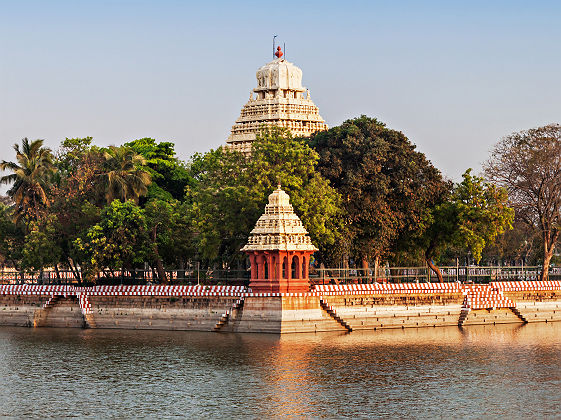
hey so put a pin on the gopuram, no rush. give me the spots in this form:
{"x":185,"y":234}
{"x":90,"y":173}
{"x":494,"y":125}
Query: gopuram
{"x":279,"y":249}
{"x":278,"y":100}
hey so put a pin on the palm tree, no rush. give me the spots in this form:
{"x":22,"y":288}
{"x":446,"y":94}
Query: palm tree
{"x":124,"y":177}
{"x":32,"y":174}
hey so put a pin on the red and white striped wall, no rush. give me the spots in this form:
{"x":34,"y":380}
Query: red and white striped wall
{"x":490,"y":292}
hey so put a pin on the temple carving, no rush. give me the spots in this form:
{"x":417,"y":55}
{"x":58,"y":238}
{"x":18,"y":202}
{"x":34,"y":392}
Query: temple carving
{"x":278,"y":100}
{"x":279,"y":249}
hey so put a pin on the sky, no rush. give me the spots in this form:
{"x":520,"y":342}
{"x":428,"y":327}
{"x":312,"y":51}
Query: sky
{"x":453,"y":76}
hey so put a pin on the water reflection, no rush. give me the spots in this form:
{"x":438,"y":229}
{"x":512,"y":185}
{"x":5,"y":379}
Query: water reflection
{"x":478,"y":371}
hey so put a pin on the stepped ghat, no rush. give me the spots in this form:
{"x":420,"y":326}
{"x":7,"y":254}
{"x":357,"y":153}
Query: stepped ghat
{"x":343,"y":308}
{"x":278,"y":100}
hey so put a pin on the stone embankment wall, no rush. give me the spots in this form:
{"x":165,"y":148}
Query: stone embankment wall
{"x":40,"y":311}
{"x":234,"y":309}
{"x":538,"y":306}
{"x":536,"y":303}
{"x":19,"y":310}
{"x":158,"y":312}
{"x":371,"y":312}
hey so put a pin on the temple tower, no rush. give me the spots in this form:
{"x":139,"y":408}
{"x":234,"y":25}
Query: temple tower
{"x":279,"y":249}
{"x":279,"y":99}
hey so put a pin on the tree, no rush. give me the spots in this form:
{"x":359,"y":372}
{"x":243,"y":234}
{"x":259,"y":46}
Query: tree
{"x":72,"y":153}
{"x":12,"y":238}
{"x":528,"y":165}
{"x":77,"y":197}
{"x":124,"y":176}
{"x":472,"y":218}
{"x":231,"y":190}
{"x":31,"y":178}
{"x":169,"y":175}
{"x":171,"y":234}
{"x":385,"y":183}
{"x":118,"y":242}
{"x":41,"y":248}
{"x":521,"y":244}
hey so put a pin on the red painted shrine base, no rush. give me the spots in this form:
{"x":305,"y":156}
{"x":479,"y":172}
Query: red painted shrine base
{"x":279,"y":271}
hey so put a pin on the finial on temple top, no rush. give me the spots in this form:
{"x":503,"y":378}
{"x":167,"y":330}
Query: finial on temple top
{"x":279,"y":52}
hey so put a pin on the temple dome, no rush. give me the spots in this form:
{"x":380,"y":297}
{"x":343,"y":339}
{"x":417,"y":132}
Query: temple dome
{"x":279,"y":228}
{"x":279,"y":74}
{"x":279,"y":198}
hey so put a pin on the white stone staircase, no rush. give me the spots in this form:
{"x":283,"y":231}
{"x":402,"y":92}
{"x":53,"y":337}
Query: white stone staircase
{"x":225,"y":317}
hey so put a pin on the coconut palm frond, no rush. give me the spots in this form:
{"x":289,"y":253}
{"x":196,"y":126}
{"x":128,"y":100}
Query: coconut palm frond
{"x":30,"y":178}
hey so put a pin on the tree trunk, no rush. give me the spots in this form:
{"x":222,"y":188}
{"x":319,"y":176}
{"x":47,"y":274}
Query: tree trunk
{"x":545,"y":270}
{"x":159,"y":265}
{"x":160,"y":268}
{"x":364,"y":267}
{"x":431,"y":264}
{"x":549,"y":241}
{"x":435,"y":269}
{"x":376,"y":267}
{"x":74,"y":270}
{"x":57,"y":272}
{"x":547,"y":255}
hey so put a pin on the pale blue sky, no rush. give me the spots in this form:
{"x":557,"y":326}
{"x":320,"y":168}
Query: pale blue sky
{"x":453,"y":76}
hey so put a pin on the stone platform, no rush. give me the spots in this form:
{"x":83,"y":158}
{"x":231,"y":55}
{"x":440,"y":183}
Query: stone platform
{"x":342,"y":308}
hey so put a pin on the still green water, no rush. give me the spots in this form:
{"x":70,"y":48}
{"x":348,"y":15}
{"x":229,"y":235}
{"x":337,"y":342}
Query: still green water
{"x":478,"y":372}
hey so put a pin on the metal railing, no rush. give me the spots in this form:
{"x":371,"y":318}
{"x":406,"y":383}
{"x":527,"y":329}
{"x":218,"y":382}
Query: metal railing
{"x":463,"y":274}
{"x":185,"y":276}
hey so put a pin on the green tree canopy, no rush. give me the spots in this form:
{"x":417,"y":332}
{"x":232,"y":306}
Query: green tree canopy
{"x":77,"y":197}
{"x":124,"y":176}
{"x":119,"y":241}
{"x":12,"y":238}
{"x":386,"y":185}
{"x":473,"y":216}
{"x":42,"y":245}
{"x":30,"y":178}
{"x":231,"y":191}
{"x":169,"y":175}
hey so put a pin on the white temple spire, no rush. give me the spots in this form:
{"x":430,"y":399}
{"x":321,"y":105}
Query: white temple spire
{"x":279,"y":101}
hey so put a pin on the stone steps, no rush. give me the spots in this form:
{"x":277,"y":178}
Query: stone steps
{"x":414,"y":322}
{"x":463,"y":315}
{"x":225,"y":318}
{"x":489,"y":316}
{"x":389,"y":312}
{"x":519,"y":315}
{"x":329,"y":309}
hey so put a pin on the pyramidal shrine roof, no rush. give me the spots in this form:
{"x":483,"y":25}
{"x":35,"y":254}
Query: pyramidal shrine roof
{"x":279,"y":228}
{"x":279,"y":99}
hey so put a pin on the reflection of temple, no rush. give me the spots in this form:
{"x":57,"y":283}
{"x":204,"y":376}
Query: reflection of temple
{"x":279,"y":249}
{"x":279,"y":100}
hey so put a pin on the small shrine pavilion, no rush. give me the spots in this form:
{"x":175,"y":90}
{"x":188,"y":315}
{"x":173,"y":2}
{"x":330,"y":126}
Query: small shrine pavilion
{"x":279,"y":249}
